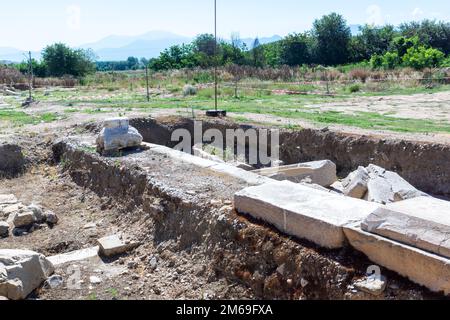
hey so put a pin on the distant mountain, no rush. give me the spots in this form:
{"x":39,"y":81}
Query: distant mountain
{"x":148,"y":45}
{"x":15,"y":55}
{"x":120,"y":47}
{"x":265,"y":40}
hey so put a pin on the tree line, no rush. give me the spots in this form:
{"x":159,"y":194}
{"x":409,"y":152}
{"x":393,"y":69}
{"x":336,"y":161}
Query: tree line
{"x":329,"y":43}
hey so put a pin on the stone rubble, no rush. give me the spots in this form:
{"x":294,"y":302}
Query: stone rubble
{"x":23,"y":219}
{"x":376,"y":184}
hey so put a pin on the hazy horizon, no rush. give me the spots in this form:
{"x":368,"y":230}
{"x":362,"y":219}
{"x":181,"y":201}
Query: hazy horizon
{"x":79,"y":22}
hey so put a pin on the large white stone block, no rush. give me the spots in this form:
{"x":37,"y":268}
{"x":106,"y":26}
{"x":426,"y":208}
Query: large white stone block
{"x":303,"y":212}
{"x":421,"y":267}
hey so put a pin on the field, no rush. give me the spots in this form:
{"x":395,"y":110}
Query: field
{"x":401,"y":105}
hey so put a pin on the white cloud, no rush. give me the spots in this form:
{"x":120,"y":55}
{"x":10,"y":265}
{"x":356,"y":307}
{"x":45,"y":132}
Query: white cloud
{"x":375,"y":15}
{"x":417,"y":13}
{"x":74,"y":17}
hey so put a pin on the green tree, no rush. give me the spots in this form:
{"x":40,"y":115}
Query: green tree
{"x":371,"y":40}
{"x":332,"y":37}
{"x":257,"y":54}
{"x":62,"y":60}
{"x":296,"y":50}
{"x":430,"y":33}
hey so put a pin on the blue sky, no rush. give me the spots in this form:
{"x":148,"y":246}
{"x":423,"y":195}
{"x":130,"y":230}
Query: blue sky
{"x":31,"y":24}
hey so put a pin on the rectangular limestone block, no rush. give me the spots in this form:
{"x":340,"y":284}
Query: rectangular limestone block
{"x":420,"y":229}
{"x":318,"y":172}
{"x":421,"y":267}
{"x":303,"y":212}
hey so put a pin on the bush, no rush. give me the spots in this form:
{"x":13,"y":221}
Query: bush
{"x":189,"y":90}
{"x":376,"y":62}
{"x":421,"y":57}
{"x":391,"y":60}
{"x":354,"y":88}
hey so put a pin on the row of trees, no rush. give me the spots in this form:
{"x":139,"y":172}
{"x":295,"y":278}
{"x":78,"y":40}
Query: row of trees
{"x":60,"y":60}
{"x":330,"y":42}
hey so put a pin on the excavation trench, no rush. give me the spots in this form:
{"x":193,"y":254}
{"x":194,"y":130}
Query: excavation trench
{"x":424,"y":165}
{"x":191,"y":207}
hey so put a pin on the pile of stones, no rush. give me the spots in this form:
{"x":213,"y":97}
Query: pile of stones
{"x":22,"y":219}
{"x":375,"y":184}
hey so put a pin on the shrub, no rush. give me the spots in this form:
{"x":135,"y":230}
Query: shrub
{"x":376,"y":62}
{"x":421,"y":57}
{"x":189,"y":90}
{"x":354,"y":88}
{"x":391,"y":60}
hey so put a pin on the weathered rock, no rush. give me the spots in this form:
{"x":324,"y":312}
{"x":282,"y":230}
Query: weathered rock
{"x":422,"y":222}
{"x":95,"y":280}
{"x":38,"y":213}
{"x":113,"y":245}
{"x":427,"y":269}
{"x":4,"y":229}
{"x":8,"y":199}
{"x":54,"y":282}
{"x":24,"y":219}
{"x":117,"y":135}
{"x":74,"y":256}
{"x":51,"y":217}
{"x":12,"y":161}
{"x":302,"y":211}
{"x":376,"y":184}
{"x":12,"y":209}
{"x":21,"y":272}
{"x":322,"y":173}
{"x":380,"y":191}
{"x":372,"y":285}
{"x":356,"y":184}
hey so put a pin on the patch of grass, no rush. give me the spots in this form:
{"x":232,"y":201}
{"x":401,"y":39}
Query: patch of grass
{"x":20,"y":118}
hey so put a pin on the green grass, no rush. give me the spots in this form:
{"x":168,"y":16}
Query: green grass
{"x":20,"y":118}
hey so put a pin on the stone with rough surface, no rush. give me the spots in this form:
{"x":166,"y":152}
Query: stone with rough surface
{"x":4,"y":229}
{"x":24,"y":219}
{"x":113,"y":245}
{"x":8,"y":199}
{"x":322,"y":173}
{"x":424,"y":268}
{"x":74,"y":256}
{"x":372,"y":285}
{"x":302,"y":211}
{"x":421,"y":229}
{"x":355,"y":185}
{"x":117,"y":135}
{"x":23,"y":272}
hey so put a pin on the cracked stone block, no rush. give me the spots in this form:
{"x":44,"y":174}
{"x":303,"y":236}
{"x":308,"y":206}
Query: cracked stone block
{"x":302,"y":211}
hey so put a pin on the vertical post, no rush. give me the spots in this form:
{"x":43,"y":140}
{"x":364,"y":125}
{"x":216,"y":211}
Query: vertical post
{"x":215,"y":55}
{"x":30,"y":76}
{"x":146,"y":78}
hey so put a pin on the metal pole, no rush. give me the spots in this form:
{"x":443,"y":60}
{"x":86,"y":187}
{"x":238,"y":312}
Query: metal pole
{"x":146,"y":78}
{"x":30,"y":75}
{"x":215,"y":55}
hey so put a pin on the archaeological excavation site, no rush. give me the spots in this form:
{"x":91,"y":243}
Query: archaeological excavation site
{"x":114,"y":209}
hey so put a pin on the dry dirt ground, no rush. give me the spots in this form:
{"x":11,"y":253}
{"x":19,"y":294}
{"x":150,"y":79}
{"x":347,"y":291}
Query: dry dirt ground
{"x":177,"y":275}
